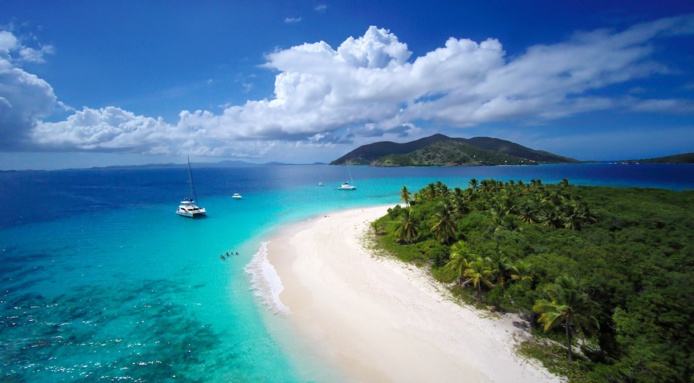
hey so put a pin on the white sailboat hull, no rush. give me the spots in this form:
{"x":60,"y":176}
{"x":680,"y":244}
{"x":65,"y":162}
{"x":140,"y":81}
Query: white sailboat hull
{"x":346,"y":186}
{"x":188,"y":208}
{"x":191,"y":211}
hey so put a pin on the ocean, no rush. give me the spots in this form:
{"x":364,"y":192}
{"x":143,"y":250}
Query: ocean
{"x":101,"y":281}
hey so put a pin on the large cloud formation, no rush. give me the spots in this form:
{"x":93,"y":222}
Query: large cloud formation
{"x":23,"y":96}
{"x":368,"y":86}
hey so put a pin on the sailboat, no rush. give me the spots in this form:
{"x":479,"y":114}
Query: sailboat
{"x":347,"y":185}
{"x":188,"y":208}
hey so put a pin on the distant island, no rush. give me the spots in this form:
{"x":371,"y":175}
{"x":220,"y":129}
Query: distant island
{"x":686,"y":158}
{"x":441,"y":150}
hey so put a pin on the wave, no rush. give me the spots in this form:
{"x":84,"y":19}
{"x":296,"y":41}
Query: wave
{"x":265,"y":281}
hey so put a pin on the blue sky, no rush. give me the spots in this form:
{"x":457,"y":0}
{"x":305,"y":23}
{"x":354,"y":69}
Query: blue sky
{"x":94,"y":83}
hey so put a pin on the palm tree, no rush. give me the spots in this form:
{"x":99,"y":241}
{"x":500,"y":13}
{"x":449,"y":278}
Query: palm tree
{"x":527,"y":211}
{"x":459,"y":202}
{"x":524,"y":270}
{"x":478,"y":273}
{"x":407,"y":231}
{"x":569,"y":304}
{"x":432,"y":191}
{"x":503,"y":269}
{"x":510,"y":223}
{"x":458,"y":260}
{"x":572,"y":215}
{"x":444,"y":226}
{"x":575,"y":213}
{"x":444,"y":191}
{"x":487,"y":185}
{"x":441,"y":189}
{"x":552,"y":216}
{"x":473,"y":184}
{"x":405,"y":196}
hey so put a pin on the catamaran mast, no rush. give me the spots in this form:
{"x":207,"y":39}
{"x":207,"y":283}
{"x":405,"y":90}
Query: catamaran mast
{"x":192,"y":183}
{"x":350,"y":173}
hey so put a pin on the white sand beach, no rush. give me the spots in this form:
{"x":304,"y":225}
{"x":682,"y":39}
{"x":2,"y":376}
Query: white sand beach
{"x":380,"y":320}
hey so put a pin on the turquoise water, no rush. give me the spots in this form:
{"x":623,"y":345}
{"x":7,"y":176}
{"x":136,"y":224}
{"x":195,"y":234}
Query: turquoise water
{"x":101,"y":281}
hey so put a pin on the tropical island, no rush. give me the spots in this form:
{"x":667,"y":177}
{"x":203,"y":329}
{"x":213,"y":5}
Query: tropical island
{"x":441,"y":150}
{"x":685,"y":158}
{"x":602,"y":274}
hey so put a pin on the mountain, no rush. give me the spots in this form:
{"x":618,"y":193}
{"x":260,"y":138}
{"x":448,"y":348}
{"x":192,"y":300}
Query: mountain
{"x":686,"y":158}
{"x":364,"y":154}
{"x":441,"y":150}
{"x":517,"y":150}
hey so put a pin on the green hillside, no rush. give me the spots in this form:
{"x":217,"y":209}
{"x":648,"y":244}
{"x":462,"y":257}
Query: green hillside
{"x":686,"y":158}
{"x":449,"y":153}
{"x":440,"y":150}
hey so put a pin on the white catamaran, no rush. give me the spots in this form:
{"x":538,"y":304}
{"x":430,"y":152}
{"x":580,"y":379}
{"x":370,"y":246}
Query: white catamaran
{"x":188,"y":208}
{"x":347,"y":185}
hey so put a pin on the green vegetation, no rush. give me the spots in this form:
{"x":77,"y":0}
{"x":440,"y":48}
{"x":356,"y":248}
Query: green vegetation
{"x":686,"y":158}
{"x":608,"y":271}
{"x":440,"y":150}
{"x":450,"y":153}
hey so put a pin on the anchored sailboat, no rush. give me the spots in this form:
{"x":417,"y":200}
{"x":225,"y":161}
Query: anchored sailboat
{"x":348,"y":185}
{"x":188,"y":208}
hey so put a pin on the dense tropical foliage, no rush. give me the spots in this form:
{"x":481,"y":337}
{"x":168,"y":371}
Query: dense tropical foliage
{"x":608,"y":271}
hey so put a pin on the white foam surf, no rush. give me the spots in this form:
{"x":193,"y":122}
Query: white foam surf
{"x":265,"y":281}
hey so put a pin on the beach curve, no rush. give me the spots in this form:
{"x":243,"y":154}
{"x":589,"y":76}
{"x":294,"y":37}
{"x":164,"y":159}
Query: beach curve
{"x":380,"y":320}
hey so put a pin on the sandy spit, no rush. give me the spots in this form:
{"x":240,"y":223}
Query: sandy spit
{"x":379,"y":320}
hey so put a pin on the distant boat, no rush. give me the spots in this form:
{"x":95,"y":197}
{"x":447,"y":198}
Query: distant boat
{"x":346,"y":185}
{"x":320,"y":184}
{"x":236,"y":196}
{"x":188,"y":208}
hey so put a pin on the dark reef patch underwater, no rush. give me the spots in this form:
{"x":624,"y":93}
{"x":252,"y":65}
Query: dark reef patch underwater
{"x":124,"y":333}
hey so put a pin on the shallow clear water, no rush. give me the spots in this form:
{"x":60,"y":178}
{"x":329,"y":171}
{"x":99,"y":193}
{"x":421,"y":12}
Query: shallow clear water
{"x":102,"y":281}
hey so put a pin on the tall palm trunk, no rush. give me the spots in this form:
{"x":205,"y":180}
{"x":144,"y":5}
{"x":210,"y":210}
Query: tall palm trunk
{"x":568,"y":338}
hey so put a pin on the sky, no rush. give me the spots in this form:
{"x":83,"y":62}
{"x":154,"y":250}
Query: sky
{"x":97,"y":83}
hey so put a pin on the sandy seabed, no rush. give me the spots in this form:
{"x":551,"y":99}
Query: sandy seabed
{"x":377,"y":319}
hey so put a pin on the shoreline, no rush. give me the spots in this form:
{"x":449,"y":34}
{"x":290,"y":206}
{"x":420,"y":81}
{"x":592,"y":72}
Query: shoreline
{"x":377,"y":319}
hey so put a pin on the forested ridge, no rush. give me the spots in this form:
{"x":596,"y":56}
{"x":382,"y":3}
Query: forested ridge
{"x":440,"y":150}
{"x":607,"y":270}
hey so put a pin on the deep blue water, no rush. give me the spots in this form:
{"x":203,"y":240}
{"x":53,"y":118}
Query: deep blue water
{"x":101,"y":281}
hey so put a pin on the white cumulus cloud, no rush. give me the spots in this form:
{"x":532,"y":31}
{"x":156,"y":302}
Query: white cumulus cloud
{"x":106,"y":129}
{"x":24,"y":97}
{"x":372,"y":86}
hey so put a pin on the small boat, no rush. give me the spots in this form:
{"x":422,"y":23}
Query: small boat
{"x":236,"y":196}
{"x":188,"y":208}
{"x":347,"y":186}
{"x":320,"y":184}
